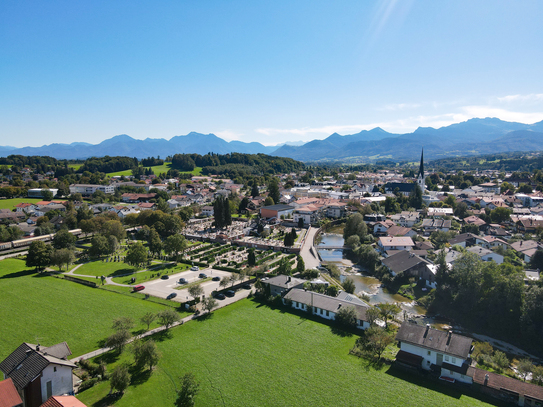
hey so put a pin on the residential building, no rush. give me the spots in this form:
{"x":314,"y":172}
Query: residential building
{"x":485,"y":254}
{"x":324,"y":306}
{"x":395,"y":243}
{"x":9,"y":397}
{"x":38,"y":192}
{"x":281,"y":284}
{"x":411,"y":265}
{"x":275,"y":211}
{"x":89,"y":189}
{"x":444,"y":353}
{"x":39,"y":372}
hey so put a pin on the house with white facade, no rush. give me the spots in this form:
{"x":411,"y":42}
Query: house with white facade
{"x":485,"y":254}
{"x":444,"y":353}
{"x":395,"y":243}
{"x":89,"y":189}
{"x":39,"y":372}
{"x":406,"y":219}
{"x":325,"y":306}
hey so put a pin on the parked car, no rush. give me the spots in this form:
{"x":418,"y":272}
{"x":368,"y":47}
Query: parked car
{"x":195,"y":268}
{"x":202,"y":275}
{"x":220,"y":296}
{"x":138,"y":288}
{"x":230,"y":293}
{"x":217,"y":278}
{"x":170,"y":296}
{"x":165,"y":277}
{"x":246,"y":286}
{"x":183,"y":281}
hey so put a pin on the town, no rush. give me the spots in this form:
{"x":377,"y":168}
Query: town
{"x":453,"y":258}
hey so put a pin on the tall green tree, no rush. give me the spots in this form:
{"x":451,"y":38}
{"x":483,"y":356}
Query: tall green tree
{"x":119,"y":378}
{"x":154,"y":242}
{"x":63,"y":240}
{"x":415,"y":197}
{"x":273,"y":191}
{"x":137,"y":254}
{"x":189,"y":389}
{"x":39,"y":255}
{"x":62,"y":257}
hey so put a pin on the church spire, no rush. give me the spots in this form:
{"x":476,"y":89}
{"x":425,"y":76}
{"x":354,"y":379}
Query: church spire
{"x":421,"y":168}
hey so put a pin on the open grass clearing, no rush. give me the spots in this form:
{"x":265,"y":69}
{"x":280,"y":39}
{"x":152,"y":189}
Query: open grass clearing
{"x":51,"y":310}
{"x":250,"y":355}
{"x":148,"y":275}
{"x":103,"y":268}
{"x":157,"y":169}
{"x":13,"y":202}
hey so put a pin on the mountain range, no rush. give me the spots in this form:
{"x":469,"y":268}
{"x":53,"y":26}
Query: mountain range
{"x":475,"y":136}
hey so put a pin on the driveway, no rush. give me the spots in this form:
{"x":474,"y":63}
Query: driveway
{"x":162,"y":288}
{"x":309,"y":252}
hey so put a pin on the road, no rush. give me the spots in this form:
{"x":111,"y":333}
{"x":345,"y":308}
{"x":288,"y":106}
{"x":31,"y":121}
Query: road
{"x":309,"y":252}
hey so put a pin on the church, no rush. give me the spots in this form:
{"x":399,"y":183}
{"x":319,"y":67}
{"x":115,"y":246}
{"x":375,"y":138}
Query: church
{"x":405,"y":188}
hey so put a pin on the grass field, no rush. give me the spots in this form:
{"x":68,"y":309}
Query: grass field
{"x":75,"y":166}
{"x":51,"y":310}
{"x":157,"y":169}
{"x":250,"y":355}
{"x":101,"y":268}
{"x":148,"y":275}
{"x":11,"y":203}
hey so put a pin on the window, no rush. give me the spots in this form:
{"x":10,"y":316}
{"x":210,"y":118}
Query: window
{"x":327,"y":313}
{"x":429,"y":353}
{"x":446,"y":358}
{"x":54,"y":369}
{"x":454,"y":360}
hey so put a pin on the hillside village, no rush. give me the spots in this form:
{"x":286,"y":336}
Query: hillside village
{"x":416,"y":231}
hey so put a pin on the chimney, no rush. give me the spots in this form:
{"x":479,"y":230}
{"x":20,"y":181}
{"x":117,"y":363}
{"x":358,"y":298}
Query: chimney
{"x":449,"y":338}
{"x":486,"y":379}
{"x":38,"y":347}
{"x":426,"y":332}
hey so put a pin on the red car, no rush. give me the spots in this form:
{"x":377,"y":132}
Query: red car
{"x":138,"y":288}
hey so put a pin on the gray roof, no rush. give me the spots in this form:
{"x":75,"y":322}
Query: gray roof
{"x":402,"y":261}
{"x":279,"y":207}
{"x":284,"y":281}
{"x":26,"y":362}
{"x":325,"y":302}
{"x":433,"y":339}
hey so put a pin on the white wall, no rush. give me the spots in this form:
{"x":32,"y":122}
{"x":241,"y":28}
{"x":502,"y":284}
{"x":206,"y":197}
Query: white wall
{"x":430,"y":356}
{"x":61,"y":380}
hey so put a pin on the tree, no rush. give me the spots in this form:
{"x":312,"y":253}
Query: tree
{"x":269,"y":201}
{"x":537,"y":260}
{"x":187,"y":393}
{"x":175,"y":244}
{"x":63,"y":240}
{"x":500,"y":215}
{"x":62,"y":257}
{"x":112,"y":244}
{"x":99,"y":246}
{"x":115,"y":228}
{"x":273,"y":191}
{"x":348,"y":285}
{"x":388,"y":311}
{"x":39,"y":255}
{"x":251,"y":258}
{"x":367,"y":257}
{"x":227,"y":214}
{"x":332,"y":290}
{"x":500,"y":360}
{"x":525,"y":367}
{"x":254,"y":190}
{"x":209,"y":303}
{"x":123,"y":323}
{"x":137,"y":254}
{"x":168,"y":317}
{"x":537,"y":374}
{"x":355,"y":225}
{"x":196,"y":290}
{"x":415,"y":197}
{"x":346,"y":317}
{"x":372,"y":315}
{"x":525,"y":189}
{"x":284,"y":266}
{"x":119,"y":378}
{"x":146,"y":353}
{"x":154,"y":242}
{"x":118,"y":339}
{"x":47,"y":195}
{"x":377,"y":340}
{"x":300,"y":265}
{"x":148,"y":319}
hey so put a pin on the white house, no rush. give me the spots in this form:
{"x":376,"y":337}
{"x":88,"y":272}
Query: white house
{"x":486,"y":254}
{"x":39,"y":372}
{"x":431,"y":349}
{"x":395,"y":243}
{"x":325,"y":306}
{"x":89,"y":189}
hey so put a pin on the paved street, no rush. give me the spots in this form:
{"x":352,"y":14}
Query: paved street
{"x":309,"y":252}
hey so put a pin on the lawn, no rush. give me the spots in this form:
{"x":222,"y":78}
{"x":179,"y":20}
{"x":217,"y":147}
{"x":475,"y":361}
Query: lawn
{"x":152,"y":274}
{"x":75,"y":166}
{"x":51,"y":310}
{"x":157,"y":169}
{"x":11,"y":203}
{"x":250,"y":355}
{"x":102,"y":268}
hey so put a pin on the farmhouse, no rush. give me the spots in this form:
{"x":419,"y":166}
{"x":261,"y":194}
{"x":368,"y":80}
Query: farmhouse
{"x":39,"y":372}
{"x":444,"y":353}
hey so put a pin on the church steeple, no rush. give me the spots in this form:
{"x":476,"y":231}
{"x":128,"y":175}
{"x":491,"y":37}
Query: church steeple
{"x":421,"y":178}
{"x":421,"y":168}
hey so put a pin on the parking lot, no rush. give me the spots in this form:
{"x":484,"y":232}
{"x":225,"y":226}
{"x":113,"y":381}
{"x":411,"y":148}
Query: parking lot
{"x":162,"y":288}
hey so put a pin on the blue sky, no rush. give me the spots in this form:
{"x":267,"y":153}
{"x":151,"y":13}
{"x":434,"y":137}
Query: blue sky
{"x":262,"y":71}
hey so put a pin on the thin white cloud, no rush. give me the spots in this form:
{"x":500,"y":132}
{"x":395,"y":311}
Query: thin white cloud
{"x":503,"y":114}
{"x":532,"y":97}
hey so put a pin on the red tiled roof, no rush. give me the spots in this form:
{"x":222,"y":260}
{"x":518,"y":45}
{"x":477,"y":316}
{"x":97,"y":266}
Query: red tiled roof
{"x":63,"y":401}
{"x":9,"y":397}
